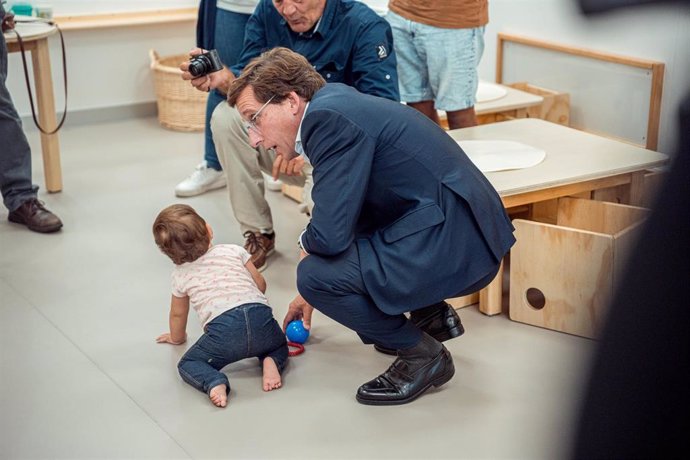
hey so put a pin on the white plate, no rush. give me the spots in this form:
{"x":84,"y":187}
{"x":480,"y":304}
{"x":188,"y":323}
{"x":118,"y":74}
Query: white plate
{"x":491,"y":156}
{"x":489,"y":91}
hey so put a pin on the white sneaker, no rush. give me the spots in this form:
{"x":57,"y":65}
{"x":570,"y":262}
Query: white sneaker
{"x":200,"y":181}
{"x":271,"y":184}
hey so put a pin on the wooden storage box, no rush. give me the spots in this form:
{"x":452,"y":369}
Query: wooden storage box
{"x":563,"y":276}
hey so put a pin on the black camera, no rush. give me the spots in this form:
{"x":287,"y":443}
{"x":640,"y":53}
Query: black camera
{"x":205,"y":63}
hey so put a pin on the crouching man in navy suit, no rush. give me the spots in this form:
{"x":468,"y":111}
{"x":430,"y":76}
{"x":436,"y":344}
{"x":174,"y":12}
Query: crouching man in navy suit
{"x":401,"y":220}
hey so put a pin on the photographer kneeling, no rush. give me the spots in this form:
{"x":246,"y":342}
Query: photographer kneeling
{"x":345,"y":42}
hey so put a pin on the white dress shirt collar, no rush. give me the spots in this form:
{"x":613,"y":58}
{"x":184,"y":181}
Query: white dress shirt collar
{"x":298,"y":140}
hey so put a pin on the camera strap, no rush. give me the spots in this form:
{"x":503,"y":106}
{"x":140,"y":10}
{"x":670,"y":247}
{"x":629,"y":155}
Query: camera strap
{"x":20,"y":41}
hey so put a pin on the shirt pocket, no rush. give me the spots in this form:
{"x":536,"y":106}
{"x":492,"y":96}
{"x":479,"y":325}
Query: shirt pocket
{"x":414,"y":221}
{"x":332,"y":72}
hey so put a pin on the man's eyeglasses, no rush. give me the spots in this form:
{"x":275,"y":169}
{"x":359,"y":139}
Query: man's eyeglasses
{"x":251,"y":124}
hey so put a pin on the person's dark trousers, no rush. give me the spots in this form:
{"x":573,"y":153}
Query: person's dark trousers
{"x":335,"y":287}
{"x":15,"y":153}
{"x":228,"y":41}
{"x":243,"y":332}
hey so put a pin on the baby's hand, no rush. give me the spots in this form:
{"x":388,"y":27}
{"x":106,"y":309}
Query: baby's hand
{"x":166,"y":338}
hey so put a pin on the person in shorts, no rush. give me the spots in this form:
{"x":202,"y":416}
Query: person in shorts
{"x":439,"y":46}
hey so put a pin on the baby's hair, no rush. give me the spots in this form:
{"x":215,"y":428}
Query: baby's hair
{"x":181,"y":233}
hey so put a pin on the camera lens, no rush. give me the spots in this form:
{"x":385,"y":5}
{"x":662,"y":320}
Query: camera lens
{"x":198,"y":66}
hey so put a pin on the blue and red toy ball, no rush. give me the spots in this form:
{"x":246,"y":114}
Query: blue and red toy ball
{"x":296,"y":332}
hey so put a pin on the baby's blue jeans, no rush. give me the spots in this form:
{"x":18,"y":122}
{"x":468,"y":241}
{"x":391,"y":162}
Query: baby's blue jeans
{"x":243,"y":332}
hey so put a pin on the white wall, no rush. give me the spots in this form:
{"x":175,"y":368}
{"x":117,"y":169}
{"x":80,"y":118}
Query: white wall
{"x":651,"y":32}
{"x":106,"y":68}
{"x":70,"y":7}
{"x":110,"y":67}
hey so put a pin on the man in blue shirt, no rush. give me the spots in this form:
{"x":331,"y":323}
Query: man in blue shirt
{"x":346,"y":42}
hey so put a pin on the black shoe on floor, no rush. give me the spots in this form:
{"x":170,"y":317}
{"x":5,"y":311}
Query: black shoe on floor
{"x":35,"y":216}
{"x":414,"y":371}
{"x":440,"y":321}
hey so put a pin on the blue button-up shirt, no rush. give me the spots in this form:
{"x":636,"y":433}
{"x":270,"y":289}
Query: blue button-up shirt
{"x":351,"y":45}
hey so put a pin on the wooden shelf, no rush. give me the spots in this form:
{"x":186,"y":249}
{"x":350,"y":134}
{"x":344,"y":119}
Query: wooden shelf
{"x":126,"y":18}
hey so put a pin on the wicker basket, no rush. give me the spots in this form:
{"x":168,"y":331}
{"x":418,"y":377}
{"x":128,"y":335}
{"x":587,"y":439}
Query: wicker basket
{"x":180,"y":106}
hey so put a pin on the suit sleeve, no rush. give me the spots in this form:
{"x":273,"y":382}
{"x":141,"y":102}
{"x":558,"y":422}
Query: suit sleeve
{"x":255,"y":41}
{"x":374,"y":61}
{"x":342,"y":155}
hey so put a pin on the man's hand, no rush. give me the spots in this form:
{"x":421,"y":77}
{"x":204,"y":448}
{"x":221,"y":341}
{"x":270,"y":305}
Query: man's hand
{"x":206,"y":83}
{"x":299,"y":309}
{"x":288,"y":167}
{"x":166,"y":338}
{"x":8,"y":22}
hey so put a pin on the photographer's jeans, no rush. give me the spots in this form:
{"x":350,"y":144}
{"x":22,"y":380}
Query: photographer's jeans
{"x":246,"y":331}
{"x":15,"y":153}
{"x":228,"y":41}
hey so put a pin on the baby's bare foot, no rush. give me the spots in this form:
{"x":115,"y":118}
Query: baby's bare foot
{"x":218,"y":395}
{"x":271,"y":379}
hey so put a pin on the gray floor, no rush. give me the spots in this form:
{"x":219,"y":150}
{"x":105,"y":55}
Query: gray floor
{"x":82,"y":377}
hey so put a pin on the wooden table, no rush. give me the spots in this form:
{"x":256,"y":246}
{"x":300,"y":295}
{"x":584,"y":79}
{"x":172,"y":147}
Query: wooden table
{"x":35,"y":37}
{"x":514,"y":100}
{"x":575,"y":162}
{"x":513,"y":105}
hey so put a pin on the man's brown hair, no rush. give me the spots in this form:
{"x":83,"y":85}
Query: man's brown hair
{"x":275,"y":74}
{"x":181,"y":233}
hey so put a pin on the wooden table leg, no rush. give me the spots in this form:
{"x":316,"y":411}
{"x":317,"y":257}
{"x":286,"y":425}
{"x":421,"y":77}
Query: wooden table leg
{"x":45,"y":100}
{"x":491,"y":297}
{"x":637,"y":188}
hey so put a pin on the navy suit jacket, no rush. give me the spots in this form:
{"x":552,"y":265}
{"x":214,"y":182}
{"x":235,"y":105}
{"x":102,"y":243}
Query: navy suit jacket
{"x":426,"y":222}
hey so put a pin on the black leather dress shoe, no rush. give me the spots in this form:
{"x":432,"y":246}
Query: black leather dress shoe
{"x":411,"y":374}
{"x":35,"y":216}
{"x":442,"y":323}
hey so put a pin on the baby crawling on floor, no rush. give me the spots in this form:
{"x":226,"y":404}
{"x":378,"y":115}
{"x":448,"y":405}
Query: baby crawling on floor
{"x":227,"y":292}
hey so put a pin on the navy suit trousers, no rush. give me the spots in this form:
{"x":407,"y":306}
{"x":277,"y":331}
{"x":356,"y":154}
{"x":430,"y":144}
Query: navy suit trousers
{"x":334,"y":286}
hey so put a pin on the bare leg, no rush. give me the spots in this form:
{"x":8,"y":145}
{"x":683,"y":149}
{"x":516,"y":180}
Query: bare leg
{"x":427,"y":108}
{"x":462,"y":118}
{"x":218,"y":395}
{"x":271,"y":380}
